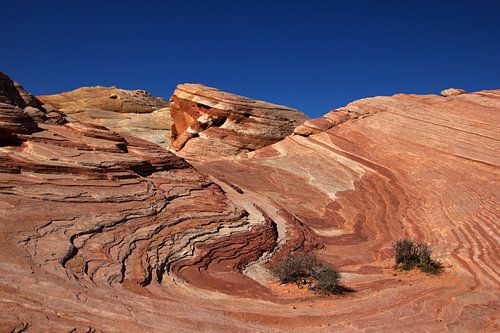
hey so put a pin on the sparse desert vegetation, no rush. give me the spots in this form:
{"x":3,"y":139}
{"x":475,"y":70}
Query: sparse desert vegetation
{"x":409,"y":254}
{"x":304,"y":269}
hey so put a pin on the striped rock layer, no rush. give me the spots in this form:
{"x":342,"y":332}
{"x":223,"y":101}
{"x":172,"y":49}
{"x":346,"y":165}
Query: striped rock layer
{"x":378,"y":170}
{"x":20,"y":111}
{"x":106,"y":232}
{"x":210,"y":123}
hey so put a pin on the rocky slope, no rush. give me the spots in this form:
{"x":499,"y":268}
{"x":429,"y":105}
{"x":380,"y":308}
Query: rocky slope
{"x":107,"y":232}
{"x":380,"y":169}
{"x":210,"y":123}
{"x":133,"y":112}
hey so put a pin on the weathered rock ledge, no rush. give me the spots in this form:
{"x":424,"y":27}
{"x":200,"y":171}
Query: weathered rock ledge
{"x":210,"y":123}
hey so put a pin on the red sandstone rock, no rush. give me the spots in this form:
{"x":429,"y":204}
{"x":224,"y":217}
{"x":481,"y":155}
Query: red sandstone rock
{"x":40,"y":112}
{"x":14,"y":98}
{"x":28,"y":98}
{"x":209,"y":123}
{"x":107,"y":232}
{"x":13,"y":120}
{"x":101,"y":231}
{"x":130,"y":112}
{"x":377,"y":170}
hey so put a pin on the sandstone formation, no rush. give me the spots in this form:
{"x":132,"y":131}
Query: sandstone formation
{"x":452,"y":92}
{"x":20,"y":111}
{"x":133,"y":112}
{"x":380,"y":169}
{"x":105,"y":232}
{"x":209,"y":123}
{"x":41,"y":113}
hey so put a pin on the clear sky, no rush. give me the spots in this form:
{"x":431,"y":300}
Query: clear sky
{"x":311,"y":55}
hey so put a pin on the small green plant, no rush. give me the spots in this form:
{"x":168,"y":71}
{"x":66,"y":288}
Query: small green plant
{"x":305,"y":269}
{"x":409,"y":254}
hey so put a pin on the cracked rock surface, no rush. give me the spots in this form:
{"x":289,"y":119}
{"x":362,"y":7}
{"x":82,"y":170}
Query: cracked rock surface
{"x":100,"y":231}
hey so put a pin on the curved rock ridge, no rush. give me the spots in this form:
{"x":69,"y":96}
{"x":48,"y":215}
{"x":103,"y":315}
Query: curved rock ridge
{"x":132,"y":112}
{"x":380,"y":169}
{"x":210,"y":123}
{"x":102,"y":231}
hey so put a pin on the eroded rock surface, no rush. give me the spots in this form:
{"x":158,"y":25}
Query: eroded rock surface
{"x":20,"y":111}
{"x":106,"y":232}
{"x":133,"y":112}
{"x":210,"y":123}
{"x":380,"y":169}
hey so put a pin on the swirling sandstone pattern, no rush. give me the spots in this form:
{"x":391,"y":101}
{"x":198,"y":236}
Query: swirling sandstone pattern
{"x":210,"y":123}
{"x":101,"y":231}
{"x":423,"y":167}
{"x":107,"y":232}
{"x":132,"y":112}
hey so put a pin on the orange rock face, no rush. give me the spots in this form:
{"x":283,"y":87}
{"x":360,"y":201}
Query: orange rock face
{"x":106,"y":232}
{"x":132,"y":112}
{"x":209,"y":123}
{"x":381,"y":169}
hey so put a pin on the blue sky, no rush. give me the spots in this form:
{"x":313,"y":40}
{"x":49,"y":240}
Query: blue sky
{"x":311,"y":55}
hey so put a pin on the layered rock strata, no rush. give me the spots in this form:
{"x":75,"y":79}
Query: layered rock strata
{"x":107,"y":232}
{"x":132,"y":112}
{"x":210,"y":123}
{"x":20,"y":111}
{"x":103,"y":232}
{"x":380,"y":169}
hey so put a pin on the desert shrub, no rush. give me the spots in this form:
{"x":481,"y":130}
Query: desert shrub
{"x":305,"y":269}
{"x":327,"y":280}
{"x":409,"y":254}
{"x":295,"y":268}
{"x":404,"y":254}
